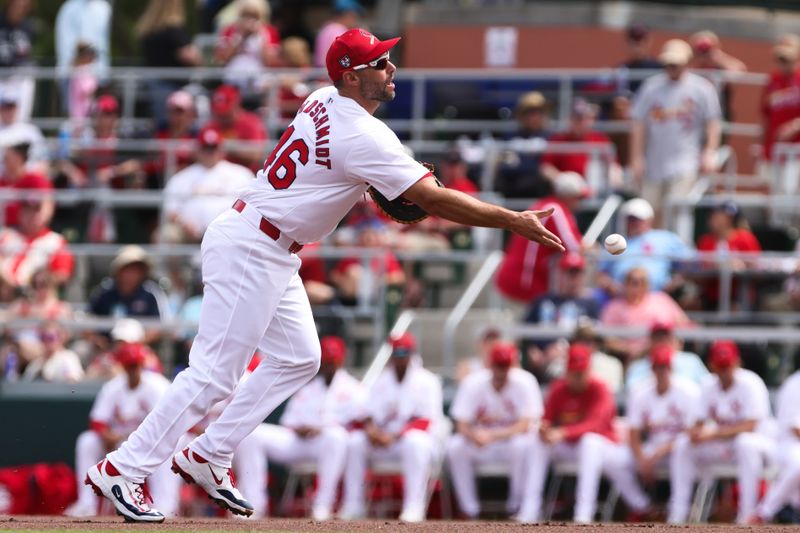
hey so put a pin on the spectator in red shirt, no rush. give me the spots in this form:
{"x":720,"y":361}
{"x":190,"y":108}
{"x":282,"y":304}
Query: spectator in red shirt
{"x":579,"y":131}
{"x":180,"y":126}
{"x":453,"y":173}
{"x":578,"y":425}
{"x":235,"y":123}
{"x":524,"y":273}
{"x":314,"y":275}
{"x":33,"y":247}
{"x":780,"y":101}
{"x":17,"y":176}
{"x":726,"y":235}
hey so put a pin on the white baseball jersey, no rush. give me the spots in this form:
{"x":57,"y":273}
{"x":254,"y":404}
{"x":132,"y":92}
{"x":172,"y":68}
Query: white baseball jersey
{"x":122,"y":409}
{"x":663,"y":416}
{"x":477,"y":402}
{"x":788,"y":407}
{"x":197,"y":195}
{"x":392,"y":404}
{"x":318,"y":405}
{"x":746,"y":399}
{"x":324,"y":162}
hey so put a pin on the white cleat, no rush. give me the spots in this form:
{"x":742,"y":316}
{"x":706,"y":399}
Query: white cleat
{"x":129,"y":499}
{"x":217,"y":481}
{"x":81,"y":510}
{"x":412,"y":516}
{"x":320,"y":513}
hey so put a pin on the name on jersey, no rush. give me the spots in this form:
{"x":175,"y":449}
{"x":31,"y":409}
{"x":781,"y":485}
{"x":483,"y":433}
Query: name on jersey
{"x":319,"y":114}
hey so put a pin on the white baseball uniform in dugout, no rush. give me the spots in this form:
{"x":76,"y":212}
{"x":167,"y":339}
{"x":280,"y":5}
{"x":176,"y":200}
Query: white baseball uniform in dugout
{"x":121,"y":409}
{"x":746,"y":399}
{"x":328,"y":409}
{"x":479,"y":404}
{"x":392,"y":405}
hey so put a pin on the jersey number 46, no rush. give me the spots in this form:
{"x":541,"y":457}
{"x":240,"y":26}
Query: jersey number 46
{"x":281,"y":159}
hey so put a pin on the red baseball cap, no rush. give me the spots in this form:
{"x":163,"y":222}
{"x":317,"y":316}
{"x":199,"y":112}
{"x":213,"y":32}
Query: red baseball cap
{"x":661,"y":355}
{"x":209,"y":137}
{"x":662,"y":326}
{"x":404,"y":345}
{"x":354,"y":48}
{"x":503,"y":354}
{"x":723,"y":354}
{"x":107,"y":104}
{"x":225,"y":98}
{"x":572,"y":261}
{"x":131,"y":354}
{"x":579,"y":357}
{"x":334,"y":349}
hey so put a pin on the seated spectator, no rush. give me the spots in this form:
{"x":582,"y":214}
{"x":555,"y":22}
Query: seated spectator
{"x":237,"y":124}
{"x":657,"y":251}
{"x":346,"y":14}
{"x":780,"y":99}
{"x":580,"y":131}
{"x":34,"y":247}
{"x":562,"y":307}
{"x":248,"y":45}
{"x":199,"y":193}
{"x":126,"y":332}
{"x":41,"y":300}
{"x":17,"y":176}
{"x":180,"y":126}
{"x":708,"y":54}
{"x":524,"y":273}
{"x":519,"y":174}
{"x":129,"y":292}
{"x":293,"y":89}
{"x":728,"y":234}
{"x":315,"y":276}
{"x":82,"y":85}
{"x":686,"y":365}
{"x":639,"y":306}
{"x":350,"y":277}
{"x":15,"y":131}
{"x":638,"y":41}
{"x":57,"y":363}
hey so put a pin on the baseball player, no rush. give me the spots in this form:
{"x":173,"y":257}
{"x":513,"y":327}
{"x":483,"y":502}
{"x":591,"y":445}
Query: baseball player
{"x":253,"y":298}
{"x":120,"y":406}
{"x":578,"y":425}
{"x":313,"y":428}
{"x":786,"y":487}
{"x":732,"y":427}
{"x":495,"y":410}
{"x":659,"y":410}
{"x":404,"y":408}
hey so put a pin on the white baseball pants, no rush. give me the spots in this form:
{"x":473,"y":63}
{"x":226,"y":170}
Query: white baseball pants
{"x":463,"y":456}
{"x":416,"y":451}
{"x":271,"y":442}
{"x":253,"y":298}
{"x":786,"y":486}
{"x":748,"y":451}
{"x":591,"y":453}
{"x":163,"y":485}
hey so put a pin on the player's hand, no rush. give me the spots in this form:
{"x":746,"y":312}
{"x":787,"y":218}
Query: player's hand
{"x":528,"y":224}
{"x":306,"y":432}
{"x":702,"y":434}
{"x":480,"y":437}
{"x":647,"y":470}
{"x":553,"y":435}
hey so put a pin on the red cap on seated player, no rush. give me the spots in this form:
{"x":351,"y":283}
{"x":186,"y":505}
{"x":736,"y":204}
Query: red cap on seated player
{"x":403,"y":345}
{"x":354,"y":48}
{"x":131,"y":354}
{"x":334,"y":349}
{"x":661,"y":355}
{"x":723,"y":354}
{"x":579,"y":357}
{"x":503,"y":354}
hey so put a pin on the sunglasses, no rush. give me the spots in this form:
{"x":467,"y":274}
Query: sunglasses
{"x":377,"y":64}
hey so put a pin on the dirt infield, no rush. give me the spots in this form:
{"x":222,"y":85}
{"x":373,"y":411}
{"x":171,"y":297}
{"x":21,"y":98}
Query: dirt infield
{"x":55,"y":523}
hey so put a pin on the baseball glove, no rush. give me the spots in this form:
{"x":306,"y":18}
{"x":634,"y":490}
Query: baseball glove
{"x":401,"y":210}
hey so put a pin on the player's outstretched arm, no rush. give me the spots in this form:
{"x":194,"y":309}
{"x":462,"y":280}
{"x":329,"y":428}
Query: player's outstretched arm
{"x":464,"y":209}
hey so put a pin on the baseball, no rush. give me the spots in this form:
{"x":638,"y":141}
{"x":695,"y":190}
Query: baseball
{"x":616,"y":244}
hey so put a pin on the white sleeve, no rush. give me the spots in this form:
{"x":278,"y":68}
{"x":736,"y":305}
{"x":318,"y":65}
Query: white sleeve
{"x":381,"y":161}
{"x":703,"y":412}
{"x":692,"y":404}
{"x":641,"y":102}
{"x":756,"y":405}
{"x":635,"y":411}
{"x":429,"y":401}
{"x":103,"y":407}
{"x":176,"y":193}
{"x":531,"y":405}
{"x":710,"y":102}
{"x":291,"y":415}
{"x":463,"y":406}
{"x":788,"y":405}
